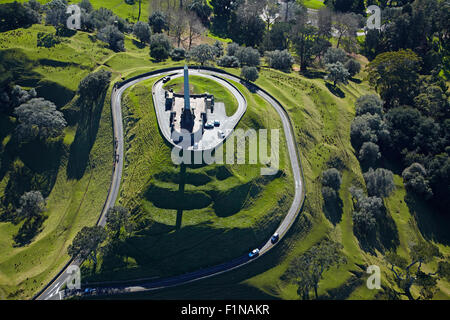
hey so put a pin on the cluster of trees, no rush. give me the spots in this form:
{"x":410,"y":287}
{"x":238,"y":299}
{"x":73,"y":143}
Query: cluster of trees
{"x":19,"y":15}
{"x":411,"y":125}
{"x":420,"y":25}
{"x":90,"y":241}
{"x":409,"y":273}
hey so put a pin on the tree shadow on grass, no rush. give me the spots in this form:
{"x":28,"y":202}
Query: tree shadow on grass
{"x":138,"y":44}
{"x":384,"y":238}
{"x":28,"y":231}
{"x":31,"y":173}
{"x":333,"y":210}
{"x":335,"y":90}
{"x":313,"y":74}
{"x":85,"y":136}
{"x":433,"y":225}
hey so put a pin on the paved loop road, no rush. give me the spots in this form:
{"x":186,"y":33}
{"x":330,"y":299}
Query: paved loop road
{"x":53,"y":290}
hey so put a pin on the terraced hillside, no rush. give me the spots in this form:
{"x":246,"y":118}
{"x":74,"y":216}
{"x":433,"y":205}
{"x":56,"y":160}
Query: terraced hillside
{"x":197,"y":215}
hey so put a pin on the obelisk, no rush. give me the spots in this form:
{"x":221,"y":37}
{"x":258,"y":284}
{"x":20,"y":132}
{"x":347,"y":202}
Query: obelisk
{"x":187,"y":98}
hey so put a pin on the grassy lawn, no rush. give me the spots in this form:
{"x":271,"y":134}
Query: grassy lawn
{"x":313,"y":4}
{"x":200,"y":85}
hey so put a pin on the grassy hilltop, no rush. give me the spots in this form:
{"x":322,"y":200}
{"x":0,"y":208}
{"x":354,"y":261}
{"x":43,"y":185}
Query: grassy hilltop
{"x":219,"y":211}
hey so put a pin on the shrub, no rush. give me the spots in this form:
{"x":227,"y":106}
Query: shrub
{"x":229,"y":62}
{"x":281,"y":60}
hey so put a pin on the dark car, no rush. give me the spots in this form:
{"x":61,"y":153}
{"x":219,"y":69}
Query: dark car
{"x":166,"y":79}
{"x":275,"y":238}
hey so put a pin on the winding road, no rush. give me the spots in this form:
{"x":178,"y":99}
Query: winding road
{"x":53,"y":291}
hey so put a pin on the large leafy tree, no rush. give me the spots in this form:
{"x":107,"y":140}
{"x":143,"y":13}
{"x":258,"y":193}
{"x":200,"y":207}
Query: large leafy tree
{"x":395,"y":76}
{"x":38,"y":118}
{"x":409,"y":273}
{"x":202,"y":53}
{"x":86,"y":243}
{"x":142,"y":31}
{"x":380,"y":182}
{"x":32,"y":205}
{"x":92,"y":86}
{"x":307,"y":270}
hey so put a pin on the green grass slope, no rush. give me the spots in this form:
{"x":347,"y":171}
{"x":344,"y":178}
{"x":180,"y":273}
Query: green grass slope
{"x":195,"y":218}
{"x":76,"y":175}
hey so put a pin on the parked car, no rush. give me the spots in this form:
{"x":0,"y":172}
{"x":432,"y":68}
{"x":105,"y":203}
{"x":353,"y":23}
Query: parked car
{"x":209,"y":125}
{"x":275,"y":238}
{"x":166,"y":79}
{"x":221,"y":134}
{"x":196,"y":146}
{"x":254,"y":253}
{"x":216,"y":123}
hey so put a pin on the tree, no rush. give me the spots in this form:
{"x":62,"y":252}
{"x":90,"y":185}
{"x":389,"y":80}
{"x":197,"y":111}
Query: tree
{"x":248,"y":27}
{"x":218,"y":49}
{"x":249,"y":73}
{"x":223,"y":11}
{"x":332,"y":178}
{"x":194,"y":28}
{"x":16,"y":15}
{"x":118,"y":221}
{"x":277,"y":37}
{"x":324,"y":22}
{"x":248,"y":56}
{"x":202,"y":9}
{"x":142,"y":31}
{"x":303,"y":36}
{"x":356,"y":6}
{"x":56,"y":13}
{"x":271,"y":10}
{"x":337,"y":73}
{"x":202,"y":53}
{"x":232,"y":49}
{"x":353,"y":67}
{"x":31,"y":205}
{"x":395,"y":76}
{"x":414,"y":178}
{"x":281,"y":60}
{"x":178,"y":54}
{"x":178,"y":24}
{"x":334,"y":55}
{"x":113,"y":37}
{"x":160,"y":47}
{"x":346,"y":25}
{"x":379,"y":182}
{"x":369,"y":103}
{"x":39,"y":118}
{"x":369,"y":128}
{"x":408,"y":275}
{"x":86,"y":5}
{"x":92,"y":86}
{"x":369,"y":153}
{"x":366,"y":210}
{"x":86,"y":243}
{"x":307,"y":270}
{"x":228,"y":62}
{"x":158,"y":21}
